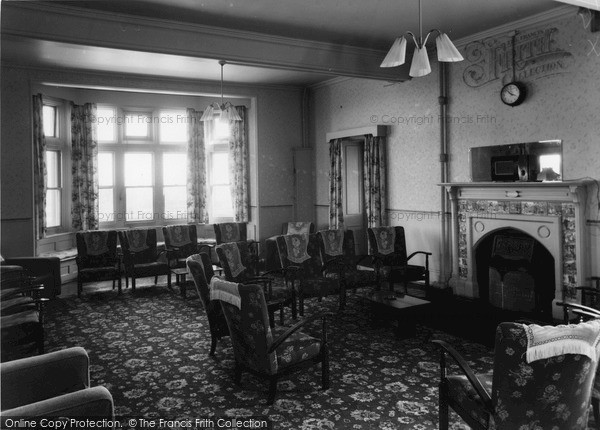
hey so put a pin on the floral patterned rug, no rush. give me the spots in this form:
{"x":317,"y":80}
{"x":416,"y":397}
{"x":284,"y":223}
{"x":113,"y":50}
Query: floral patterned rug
{"x":150,"y":349}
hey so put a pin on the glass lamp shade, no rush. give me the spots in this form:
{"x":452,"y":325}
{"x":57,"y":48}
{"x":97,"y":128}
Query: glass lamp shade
{"x":446,"y":50}
{"x":396,"y":55}
{"x":229,"y":113}
{"x":209,"y":113}
{"x":420,"y":63}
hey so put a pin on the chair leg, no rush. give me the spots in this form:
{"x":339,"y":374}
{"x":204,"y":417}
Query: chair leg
{"x":133,"y":284}
{"x":156,"y":280}
{"x":443,"y":407}
{"x":301,"y":300}
{"x":272,"y":390}
{"x":79,"y":287}
{"x":237,"y":377}
{"x":213,"y":344}
{"x":325,"y":368}
{"x":596,"y":409}
{"x":281,"y":318}
{"x":119,"y":284}
{"x":169,"y":280}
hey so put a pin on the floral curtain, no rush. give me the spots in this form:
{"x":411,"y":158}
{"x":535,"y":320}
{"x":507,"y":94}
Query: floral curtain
{"x":84,"y":168}
{"x":39,"y":166}
{"x":196,"y":169}
{"x":238,"y":166}
{"x":336,"y":212}
{"x":374,"y":172}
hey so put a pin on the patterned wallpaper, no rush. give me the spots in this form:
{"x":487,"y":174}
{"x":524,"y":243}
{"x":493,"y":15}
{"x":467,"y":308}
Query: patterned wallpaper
{"x":557,"y":61}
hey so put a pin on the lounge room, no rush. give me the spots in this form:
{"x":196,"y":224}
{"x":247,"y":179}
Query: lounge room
{"x":302,"y":215}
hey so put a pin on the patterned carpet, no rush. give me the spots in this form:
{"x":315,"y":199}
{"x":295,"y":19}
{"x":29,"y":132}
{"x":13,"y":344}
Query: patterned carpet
{"x":150,"y":349}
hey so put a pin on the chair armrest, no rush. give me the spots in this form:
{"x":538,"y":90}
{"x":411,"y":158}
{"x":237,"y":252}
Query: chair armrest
{"x":277,"y":342}
{"x":337,"y":263}
{"x":51,"y":374}
{"x":426,"y":254}
{"x":580,"y":308}
{"x":95,"y":402}
{"x":445,"y":348}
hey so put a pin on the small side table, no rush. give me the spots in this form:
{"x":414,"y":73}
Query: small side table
{"x":180,"y":275}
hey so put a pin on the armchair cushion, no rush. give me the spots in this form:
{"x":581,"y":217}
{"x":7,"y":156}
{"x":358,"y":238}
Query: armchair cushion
{"x":296,"y":348}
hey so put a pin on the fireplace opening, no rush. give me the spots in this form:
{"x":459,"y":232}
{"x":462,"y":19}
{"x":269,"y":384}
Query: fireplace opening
{"x":515,"y":272}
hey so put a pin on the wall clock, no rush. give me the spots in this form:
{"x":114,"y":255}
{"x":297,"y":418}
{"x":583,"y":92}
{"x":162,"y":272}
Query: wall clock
{"x":513,"y":93}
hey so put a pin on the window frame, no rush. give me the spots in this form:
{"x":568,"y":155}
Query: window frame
{"x":59,"y":143}
{"x":151,"y":144}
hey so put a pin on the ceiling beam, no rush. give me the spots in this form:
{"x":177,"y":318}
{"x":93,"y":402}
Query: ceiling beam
{"x":107,"y":29}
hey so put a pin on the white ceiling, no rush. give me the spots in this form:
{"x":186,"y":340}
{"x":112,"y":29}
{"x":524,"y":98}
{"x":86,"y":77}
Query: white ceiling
{"x":369,"y":24}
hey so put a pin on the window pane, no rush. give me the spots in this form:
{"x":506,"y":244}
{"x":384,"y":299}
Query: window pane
{"x":106,"y":119}
{"x":105,"y":169}
{"x":49,"y":118}
{"x":174,"y":169}
{"x":106,"y":205}
{"x":138,"y":169}
{"x":175,"y":202}
{"x":173,"y":126}
{"x":52,"y":208}
{"x":139,"y":205}
{"x":220,"y":168}
{"x":221,"y":129}
{"x":52,"y":169}
{"x":221,"y":201}
{"x":137,"y":125}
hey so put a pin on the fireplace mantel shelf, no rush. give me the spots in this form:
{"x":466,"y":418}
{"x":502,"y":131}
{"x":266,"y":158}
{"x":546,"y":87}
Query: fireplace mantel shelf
{"x":557,"y":191}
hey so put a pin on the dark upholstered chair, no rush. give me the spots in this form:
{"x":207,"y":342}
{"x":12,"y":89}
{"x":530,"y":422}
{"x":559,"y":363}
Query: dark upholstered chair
{"x":181,"y":241}
{"x":52,"y":385}
{"x":301,"y":260}
{"x":575,"y":312}
{"x":239,"y":267}
{"x":267,"y":352}
{"x":43,"y":271}
{"x":22,"y":314}
{"x":141,"y":257}
{"x":97,"y":258}
{"x":388,"y":247}
{"x":272,"y":260}
{"x":200,"y":267}
{"x":549,"y":393}
{"x":338,"y":249}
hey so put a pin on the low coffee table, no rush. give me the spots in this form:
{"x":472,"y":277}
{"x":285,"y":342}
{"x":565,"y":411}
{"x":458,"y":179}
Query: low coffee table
{"x":405,"y":309}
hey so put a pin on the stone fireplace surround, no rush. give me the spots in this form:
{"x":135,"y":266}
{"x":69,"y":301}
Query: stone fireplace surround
{"x":551,"y":212}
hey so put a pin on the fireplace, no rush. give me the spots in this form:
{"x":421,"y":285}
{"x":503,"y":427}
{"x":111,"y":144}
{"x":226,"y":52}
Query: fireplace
{"x":549,"y":213}
{"x":514,"y":271}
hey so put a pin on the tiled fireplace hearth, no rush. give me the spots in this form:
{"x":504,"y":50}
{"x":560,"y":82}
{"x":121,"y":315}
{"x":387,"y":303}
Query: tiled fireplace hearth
{"x":553,"y":213}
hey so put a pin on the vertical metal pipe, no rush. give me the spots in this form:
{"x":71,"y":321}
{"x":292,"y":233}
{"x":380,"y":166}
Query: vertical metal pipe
{"x":443,"y":101}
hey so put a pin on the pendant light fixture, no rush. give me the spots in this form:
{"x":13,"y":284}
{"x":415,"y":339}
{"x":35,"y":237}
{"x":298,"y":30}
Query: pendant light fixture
{"x":226,"y":111}
{"x":420,"y":66}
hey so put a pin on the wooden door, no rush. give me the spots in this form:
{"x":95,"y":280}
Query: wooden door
{"x":353,"y":198}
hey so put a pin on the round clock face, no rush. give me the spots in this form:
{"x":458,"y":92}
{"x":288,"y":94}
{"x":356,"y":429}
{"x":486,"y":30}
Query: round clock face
{"x":513,"y":93}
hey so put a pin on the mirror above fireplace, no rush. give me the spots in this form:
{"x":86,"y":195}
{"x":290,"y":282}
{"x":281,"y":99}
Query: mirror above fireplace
{"x":524,"y":162}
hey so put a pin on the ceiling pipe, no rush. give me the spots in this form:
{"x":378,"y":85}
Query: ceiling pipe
{"x":444,"y":171}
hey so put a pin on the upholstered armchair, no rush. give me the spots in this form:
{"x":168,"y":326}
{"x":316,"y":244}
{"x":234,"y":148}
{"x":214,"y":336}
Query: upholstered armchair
{"x":301,"y":260}
{"x":200,"y":267}
{"x":339,"y":254}
{"x":52,"y":385}
{"x":388,"y":247}
{"x":272,"y":260}
{"x":239,"y":267}
{"x":43,"y":271}
{"x":237,"y":232}
{"x":97,"y":258}
{"x":261,"y":350}
{"x":547,"y":393}
{"x":141,"y":257}
{"x":22,"y":314}
{"x":181,"y":241}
